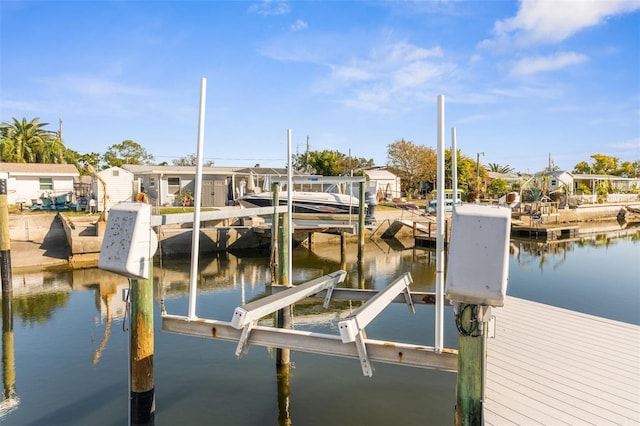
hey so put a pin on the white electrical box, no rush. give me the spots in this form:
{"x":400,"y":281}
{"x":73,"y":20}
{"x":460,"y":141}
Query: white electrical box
{"x":478,"y":260}
{"x":129,"y":243}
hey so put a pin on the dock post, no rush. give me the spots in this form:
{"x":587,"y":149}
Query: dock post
{"x":471,"y":365}
{"x":283,"y":378}
{"x":283,"y":315}
{"x":361,"y":215}
{"x":8,"y":354}
{"x":141,"y":351}
{"x":275,"y":236}
{"x":5,"y":248}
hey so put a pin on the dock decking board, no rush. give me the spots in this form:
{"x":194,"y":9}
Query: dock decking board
{"x":551,"y":366}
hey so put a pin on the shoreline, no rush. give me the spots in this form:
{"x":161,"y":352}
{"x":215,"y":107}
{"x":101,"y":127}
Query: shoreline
{"x":55,"y":241}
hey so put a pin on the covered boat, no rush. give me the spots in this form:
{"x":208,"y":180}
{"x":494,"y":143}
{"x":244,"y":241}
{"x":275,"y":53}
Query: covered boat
{"x":306,"y":202}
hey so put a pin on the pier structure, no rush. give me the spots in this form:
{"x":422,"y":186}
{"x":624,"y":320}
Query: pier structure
{"x":553,"y":366}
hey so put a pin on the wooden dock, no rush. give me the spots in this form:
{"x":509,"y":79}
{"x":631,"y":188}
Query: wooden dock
{"x":546,"y":232}
{"x":552,"y":366}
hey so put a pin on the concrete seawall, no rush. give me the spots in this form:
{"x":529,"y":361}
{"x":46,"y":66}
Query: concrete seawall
{"x":44,"y":240}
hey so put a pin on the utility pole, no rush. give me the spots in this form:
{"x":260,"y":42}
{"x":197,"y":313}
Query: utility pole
{"x":478,"y":172}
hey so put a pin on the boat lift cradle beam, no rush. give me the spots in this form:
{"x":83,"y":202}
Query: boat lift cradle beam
{"x":352,"y":328}
{"x":325,"y":344}
{"x":317,"y":343}
{"x":245,"y":317}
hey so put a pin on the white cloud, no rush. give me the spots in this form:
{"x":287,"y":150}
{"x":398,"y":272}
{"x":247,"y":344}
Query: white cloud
{"x":536,"y":64}
{"x":270,"y":8}
{"x":299,"y":25}
{"x":540,"y":21}
{"x":350,"y":73}
{"x":392,"y":76}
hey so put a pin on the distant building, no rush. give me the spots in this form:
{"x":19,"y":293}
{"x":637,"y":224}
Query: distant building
{"x":164,"y":183}
{"x":120,"y":187}
{"x":29,"y":182}
{"x":555,"y":180}
{"x":619,"y":184}
{"x":383,"y":183}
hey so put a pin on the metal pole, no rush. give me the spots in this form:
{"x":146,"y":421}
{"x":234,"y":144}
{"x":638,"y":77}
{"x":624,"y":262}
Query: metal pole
{"x":439,"y":311}
{"x":478,"y":172}
{"x":141,"y":351}
{"x":454,"y":166}
{"x":289,"y":212}
{"x":195,"y":234}
{"x":5,"y":245}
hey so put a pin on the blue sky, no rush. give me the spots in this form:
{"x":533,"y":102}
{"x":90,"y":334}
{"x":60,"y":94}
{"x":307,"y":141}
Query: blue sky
{"x":521,"y":80}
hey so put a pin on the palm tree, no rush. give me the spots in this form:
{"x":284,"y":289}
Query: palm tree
{"x":497,"y":168}
{"x":25,"y":141}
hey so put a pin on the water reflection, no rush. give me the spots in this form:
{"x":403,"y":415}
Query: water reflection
{"x":52,"y":304}
{"x":10,"y":400}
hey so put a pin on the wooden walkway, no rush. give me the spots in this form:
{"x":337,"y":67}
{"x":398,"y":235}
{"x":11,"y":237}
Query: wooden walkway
{"x":552,"y":366}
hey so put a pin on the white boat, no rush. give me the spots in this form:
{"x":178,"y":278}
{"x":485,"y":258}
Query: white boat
{"x":306,"y":202}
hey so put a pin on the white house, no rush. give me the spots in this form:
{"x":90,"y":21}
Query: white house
{"x":119,"y":185}
{"x":28,"y":182}
{"x":557,"y":179}
{"x":163,"y":183}
{"x":384,"y":183}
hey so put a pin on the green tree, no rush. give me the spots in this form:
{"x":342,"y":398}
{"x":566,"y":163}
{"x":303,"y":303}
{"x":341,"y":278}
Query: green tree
{"x":497,"y":168}
{"x":467,"y":169}
{"x":582,"y":167}
{"x":413,"y":163}
{"x":25,"y":141}
{"x":190,"y":160}
{"x":328,"y":162}
{"x":497,"y":187}
{"x":127,"y":152}
{"x":604,"y":164}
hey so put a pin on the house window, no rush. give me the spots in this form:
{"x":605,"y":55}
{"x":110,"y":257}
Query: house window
{"x":553,"y":182}
{"x":174,"y":184}
{"x":152,"y":182}
{"x":116,"y":173}
{"x":46,"y":184}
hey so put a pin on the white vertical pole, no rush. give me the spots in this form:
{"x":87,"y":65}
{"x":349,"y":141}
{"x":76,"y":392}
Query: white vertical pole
{"x":440,"y":229}
{"x":289,"y":211}
{"x":195,"y":235}
{"x":454,"y":166}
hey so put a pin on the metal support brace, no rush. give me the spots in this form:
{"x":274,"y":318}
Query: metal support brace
{"x":247,"y":315}
{"x":352,"y":328}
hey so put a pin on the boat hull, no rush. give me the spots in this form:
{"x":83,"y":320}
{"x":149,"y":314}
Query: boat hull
{"x":307,"y":202}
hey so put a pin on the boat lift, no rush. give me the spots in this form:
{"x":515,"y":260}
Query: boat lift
{"x":244,"y":329}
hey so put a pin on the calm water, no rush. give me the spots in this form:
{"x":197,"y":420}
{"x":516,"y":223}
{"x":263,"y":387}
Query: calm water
{"x":70,"y":350}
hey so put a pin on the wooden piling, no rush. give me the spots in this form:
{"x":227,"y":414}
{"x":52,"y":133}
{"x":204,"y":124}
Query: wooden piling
{"x":283,"y":378}
{"x":275,"y":236}
{"x":5,"y":248}
{"x":8,"y":353}
{"x":361,"y":216}
{"x":284,"y":315}
{"x":141,"y":351}
{"x":471,"y":364}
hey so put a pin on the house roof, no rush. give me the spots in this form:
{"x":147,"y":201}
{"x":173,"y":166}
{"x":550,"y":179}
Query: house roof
{"x":109,"y":171}
{"x":39,"y":169}
{"x":281,"y":171}
{"x":556,"y":173}
{"x":380,"y":174}
{"x":146,"y":169}
{"x":505,"y":176}
{"x":588,"y":176}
